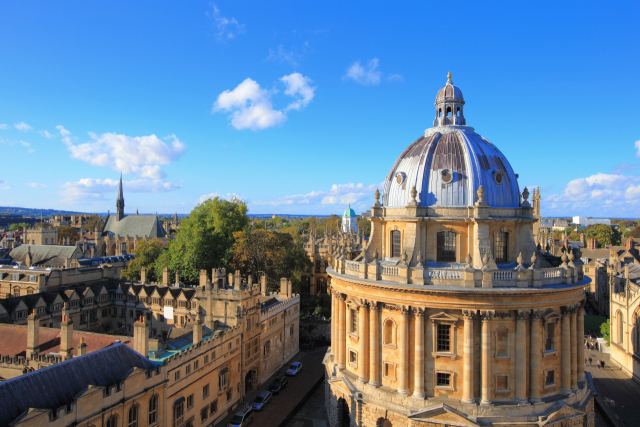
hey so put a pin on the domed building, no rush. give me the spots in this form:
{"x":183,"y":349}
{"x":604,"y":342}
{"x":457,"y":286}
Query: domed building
{"x":349,"y":221}
{"x":451,"y":316}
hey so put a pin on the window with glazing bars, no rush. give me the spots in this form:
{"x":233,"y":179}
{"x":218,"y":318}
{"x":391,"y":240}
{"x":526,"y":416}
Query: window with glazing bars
{"x":501,"y":246}
{"x":443,"y":379}
{"x":354,"y":321}
{"x":446,"y":246}
{"x":444,"y":335}
{"x":395,"y":244}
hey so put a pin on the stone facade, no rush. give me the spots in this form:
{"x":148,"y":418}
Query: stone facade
{"x":451,"y":315}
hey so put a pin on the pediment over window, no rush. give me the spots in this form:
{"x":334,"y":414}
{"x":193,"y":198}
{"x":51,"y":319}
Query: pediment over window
{"x":443,"y":415}
{"x":444,"y":317}
{"x":550,"y":315}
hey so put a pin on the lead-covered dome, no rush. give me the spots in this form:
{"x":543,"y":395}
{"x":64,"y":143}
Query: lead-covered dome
{"x":449,"y":163}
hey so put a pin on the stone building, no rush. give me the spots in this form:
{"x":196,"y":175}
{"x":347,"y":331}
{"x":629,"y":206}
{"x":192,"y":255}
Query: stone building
{"x":41,"y":236}
{"x":349,"y":221}
{"x":625,"y":319}
{"x":451,"y":316}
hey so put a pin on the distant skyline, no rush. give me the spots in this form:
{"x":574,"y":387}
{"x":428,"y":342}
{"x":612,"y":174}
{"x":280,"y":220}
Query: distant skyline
{"x":303,"y":108}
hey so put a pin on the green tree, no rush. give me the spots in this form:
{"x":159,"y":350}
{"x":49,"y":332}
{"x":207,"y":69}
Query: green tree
{"x":273,"y":254}
{"x":604,"y":235}
{"x":68,"y":232}
{"x":146,"y":255}
{"x":92,"y":222}
{"x":205,"y":239}
{"x":364,"y":226}
{"x":635,"y":232}
{"x":605,"y":330}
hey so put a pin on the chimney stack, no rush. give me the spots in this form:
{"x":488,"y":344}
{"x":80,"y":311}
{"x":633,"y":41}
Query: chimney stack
{"x":203,"y":278}
{"x":66,"y":334}
{"x":82,"y":347}
{"x":237,"y":280}
{"x":630,"y":243}
{"x":197,"y":329}
{"x":143,"y":275}
{"x":141,"y":337}
{"x":591,"y":243}
{"x":230,"y":282}
{"x":289,"y":289}
{"x":263,"y":284}
{"x":284,"y":287}
{"x":177,"y":279}
{"x":33,"y":335}
{"x":165,"y":276}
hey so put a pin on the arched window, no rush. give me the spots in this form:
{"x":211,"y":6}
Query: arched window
{"x":112,"y":421}
{"x":396,"y":244}
{"x":133,"y":416}
{"x":322,"y":286}
{"x":550,"y":335}
{"x":383,"y":422}
{"x":389,"y":332}
{"x":620,"y":326}
{"x":440,"y":112}
{"x":446,"y":242}
{"x":153,"y":409}
{"x":178,"y":412}
{"x":267,"y":348}
{"x":501,"y":247}
{"x":458,"y":112}
{"x":448,"y":111}
{"x":502,"y":341}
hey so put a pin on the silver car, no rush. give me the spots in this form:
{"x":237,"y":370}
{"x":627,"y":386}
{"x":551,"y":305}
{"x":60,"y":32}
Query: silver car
{"x":261,"y":400}
{"x":241,"y":418}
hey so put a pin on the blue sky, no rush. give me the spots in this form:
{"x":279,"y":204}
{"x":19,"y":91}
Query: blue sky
{"x":302,"y":107}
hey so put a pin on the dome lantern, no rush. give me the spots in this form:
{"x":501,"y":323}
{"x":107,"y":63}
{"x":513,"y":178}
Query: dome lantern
{"x":449,"y":105}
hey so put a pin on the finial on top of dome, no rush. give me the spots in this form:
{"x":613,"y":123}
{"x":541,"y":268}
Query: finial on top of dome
{"x":449,"y":76}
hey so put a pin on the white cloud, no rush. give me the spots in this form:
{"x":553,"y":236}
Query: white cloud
{"x":225,"y":28}
{"x":395,"y":78}
{"x":66,"y":135}
{"x":284,"y":56}
{"x":46,"y":134}
{"x":298,"y":86}
{"x":36,"y":185}
{"x":89,"y":189}
{"x":227,"y":196}
{"x":330,"y":201}
{"x":3,"y":126}
{"x":368,"y":75}
{"x":637,"y":145}
{"x":250,"y":106}
{"x":22,"y":126}
{"x":140,"y":155}
{"x":3,"y":185}
{"x":25,"y":144}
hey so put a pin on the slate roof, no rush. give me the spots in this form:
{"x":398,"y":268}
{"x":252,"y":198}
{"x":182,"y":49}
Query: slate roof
{"x":134,"y":225}
{"x":58,"y":385}
{"x":13,"y":340}
{"x":46,"y":255}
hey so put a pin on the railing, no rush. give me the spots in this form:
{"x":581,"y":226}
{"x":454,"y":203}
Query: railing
{"x":503,"y":275}
{"x":389,"y":271}
{"x":444,"y":273}
{"x":352,"y":265}
{"x":548,"y":273}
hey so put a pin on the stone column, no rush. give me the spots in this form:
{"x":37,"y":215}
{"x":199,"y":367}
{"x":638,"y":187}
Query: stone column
{"x":342,"y":336}
{"x":334,"y":322}
{"x":521,"y":355}
{"x":580,"y":337}
{"x":374,"y":344}
{"x":487,"y":377}
{"x":566,"y":351}
{"x":574,"y":351}
{"x":467,"y":384}
{"x":363,"y":320}
{"x":403,"y":347}
{"x":535,"y":355}
{"x":418,"y":365}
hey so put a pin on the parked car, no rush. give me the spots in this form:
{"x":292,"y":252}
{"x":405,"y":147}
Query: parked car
{"x":294,"y":369}
{"x":261,"y":400}
{"x":278,"y":385}
{"x":242,"y":418}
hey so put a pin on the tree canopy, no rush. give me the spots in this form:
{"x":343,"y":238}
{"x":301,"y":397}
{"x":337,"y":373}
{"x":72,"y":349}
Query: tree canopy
{"x":273,"y":254}
{"x":604,"y":235}
{"x":146,"y":255}
{"x":635,"y":232}
{"x":66,"y":231}
{"x":205,"y":239}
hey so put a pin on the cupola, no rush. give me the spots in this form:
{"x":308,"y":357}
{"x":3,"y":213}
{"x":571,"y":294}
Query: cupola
{"x":449,"y":105}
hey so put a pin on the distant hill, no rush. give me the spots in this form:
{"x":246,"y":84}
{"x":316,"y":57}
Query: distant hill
{"x":5,"y":210}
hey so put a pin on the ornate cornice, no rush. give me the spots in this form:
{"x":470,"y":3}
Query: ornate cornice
{"x":469,"y":314}
{"x":536,"y":314}
{"x":503,"y":314}
{"x":487,"y":315}
{"x":523,"y":314}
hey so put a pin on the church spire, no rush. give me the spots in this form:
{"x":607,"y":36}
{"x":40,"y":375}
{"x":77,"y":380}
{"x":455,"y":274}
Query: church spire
{"x":120,"y":202}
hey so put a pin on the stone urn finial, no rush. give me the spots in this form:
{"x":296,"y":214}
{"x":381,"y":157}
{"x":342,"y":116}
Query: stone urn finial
{"x":485,"y":258}
{"x":571,"y":258}
{"x":534,"y":259}
{"x":468,"y":260}
{"x":564,"y":258}
{"x":404,"y":257}
{"x":414,"y":193}
{"x":375,"y":254}
{"x":525,"y":196}
{"x":519,"y":259}
{"x":377,"y":196}
{"x":480,"y":193}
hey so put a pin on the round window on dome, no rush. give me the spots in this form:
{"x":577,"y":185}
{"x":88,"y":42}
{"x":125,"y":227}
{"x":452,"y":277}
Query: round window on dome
{"x":447,"y":175}
{"x":400,"y":177}
{"x":497,"y":177}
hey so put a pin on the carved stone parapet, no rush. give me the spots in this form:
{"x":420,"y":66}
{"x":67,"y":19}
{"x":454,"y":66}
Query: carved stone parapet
{"x":523,"y":314}
{"x":487,"y":315}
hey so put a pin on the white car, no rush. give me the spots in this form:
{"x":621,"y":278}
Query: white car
{"x":294,"y":369}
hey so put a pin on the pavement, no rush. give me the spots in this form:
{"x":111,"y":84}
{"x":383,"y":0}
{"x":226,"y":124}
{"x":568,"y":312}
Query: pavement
{"x":618,"y":395}
{"x":283,"y":407}
{"x":313,"y":413}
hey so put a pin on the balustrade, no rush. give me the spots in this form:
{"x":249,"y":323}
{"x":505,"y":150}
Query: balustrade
{"x":389,"y":271}
{"x":443,"y":273}
{"x":352,"y":265}
{"x":502,"y":275}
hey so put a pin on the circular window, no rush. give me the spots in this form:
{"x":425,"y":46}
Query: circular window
{"x":497,"y":177}
{"x":400,"y":177}
{"x":447,"y":175}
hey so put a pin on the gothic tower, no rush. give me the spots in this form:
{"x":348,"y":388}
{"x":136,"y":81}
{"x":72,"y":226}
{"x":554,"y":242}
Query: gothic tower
{"x":120,"y":202}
